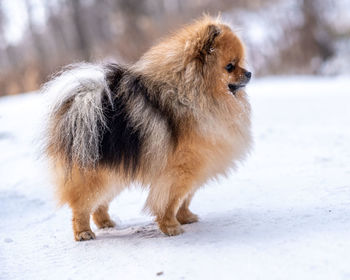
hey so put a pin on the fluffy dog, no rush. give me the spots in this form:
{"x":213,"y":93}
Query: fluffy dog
{"x":176,"y":118}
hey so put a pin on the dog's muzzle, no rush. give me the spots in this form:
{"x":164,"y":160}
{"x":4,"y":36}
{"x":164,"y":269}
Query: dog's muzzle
{"x":245,"y":80}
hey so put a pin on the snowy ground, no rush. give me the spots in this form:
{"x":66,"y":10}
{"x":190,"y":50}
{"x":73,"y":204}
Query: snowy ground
{"x":284,"y":215}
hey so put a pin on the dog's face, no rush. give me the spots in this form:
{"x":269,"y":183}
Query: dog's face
{"x":230,"y":62}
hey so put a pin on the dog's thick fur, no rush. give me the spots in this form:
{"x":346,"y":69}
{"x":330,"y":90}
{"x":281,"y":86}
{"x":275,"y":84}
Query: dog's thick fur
{"x":169,"y":122}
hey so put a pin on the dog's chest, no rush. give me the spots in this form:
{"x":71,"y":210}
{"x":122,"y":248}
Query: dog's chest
{"x":227,"y":141}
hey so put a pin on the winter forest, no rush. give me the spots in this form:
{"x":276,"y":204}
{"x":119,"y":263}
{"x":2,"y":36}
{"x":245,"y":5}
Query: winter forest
{"x":38,"y":37}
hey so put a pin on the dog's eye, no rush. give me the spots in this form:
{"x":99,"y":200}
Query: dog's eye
{"x":230,"y":67}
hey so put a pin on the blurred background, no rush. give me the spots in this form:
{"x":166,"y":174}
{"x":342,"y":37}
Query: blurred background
{"x":283,"y":37}
{"x":284,"y":215}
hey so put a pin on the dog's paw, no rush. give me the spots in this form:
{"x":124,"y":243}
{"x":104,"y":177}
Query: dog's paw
{"x":171,"y":230}
{"x":84,"y":235}
{"x":187,"y":218}
{"x":106,"y":224}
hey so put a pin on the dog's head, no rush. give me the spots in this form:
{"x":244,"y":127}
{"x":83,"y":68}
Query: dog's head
{"x":219,"y":57}
{"x":205,"y":57}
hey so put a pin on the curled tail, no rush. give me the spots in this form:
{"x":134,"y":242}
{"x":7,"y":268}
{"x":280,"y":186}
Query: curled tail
{"x":76,"y":119}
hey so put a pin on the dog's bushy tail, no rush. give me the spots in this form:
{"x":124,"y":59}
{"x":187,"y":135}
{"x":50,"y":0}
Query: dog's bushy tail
{"x":76,"y":120}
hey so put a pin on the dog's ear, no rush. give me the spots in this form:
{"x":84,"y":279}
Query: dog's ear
{"x":210,"y":34}
{"x":200,"y":39}
{"x":207,"y":42}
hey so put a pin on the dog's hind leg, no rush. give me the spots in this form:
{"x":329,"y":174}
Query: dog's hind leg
{"x":82,"y":191}
{"x":102,"y":218}
{"x":184,"y":215}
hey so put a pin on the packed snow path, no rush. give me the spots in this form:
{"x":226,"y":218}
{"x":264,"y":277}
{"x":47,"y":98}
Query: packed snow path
{"x":284,"y":215}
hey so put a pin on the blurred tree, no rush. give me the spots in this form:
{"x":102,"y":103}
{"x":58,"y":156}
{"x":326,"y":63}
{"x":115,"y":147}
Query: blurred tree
{"x":56,"y":27}
{"x":3,"y":44}
{"x":2,"y":22}
{"x":3,"y":58}
{"x":134,"y":17}
{"x":290,"y":42}
{"x":316,"y":36}
{"x":82,"y":40}
{"x":37,"y":42}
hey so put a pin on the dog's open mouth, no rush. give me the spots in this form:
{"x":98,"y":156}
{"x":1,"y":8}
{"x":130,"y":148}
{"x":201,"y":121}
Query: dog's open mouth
{"x":235,"y":87}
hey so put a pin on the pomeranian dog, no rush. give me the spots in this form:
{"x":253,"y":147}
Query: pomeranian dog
{"x":175,"y":119}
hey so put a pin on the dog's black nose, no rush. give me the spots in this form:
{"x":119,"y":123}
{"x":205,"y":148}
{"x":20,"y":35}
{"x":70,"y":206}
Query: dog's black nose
{"x":248,"y":74}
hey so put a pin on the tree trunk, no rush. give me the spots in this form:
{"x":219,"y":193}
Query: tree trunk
{"x":82,"y":42}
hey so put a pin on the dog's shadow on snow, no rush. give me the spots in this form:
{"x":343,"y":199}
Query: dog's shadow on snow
{"x":241,"y":225}
{"x":144,"y":230}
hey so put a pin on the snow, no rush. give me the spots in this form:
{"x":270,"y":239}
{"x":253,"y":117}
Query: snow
{"x":284,"y":215}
